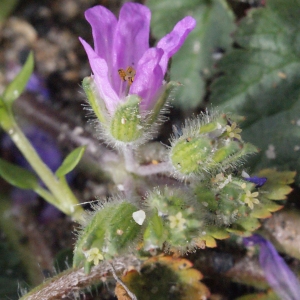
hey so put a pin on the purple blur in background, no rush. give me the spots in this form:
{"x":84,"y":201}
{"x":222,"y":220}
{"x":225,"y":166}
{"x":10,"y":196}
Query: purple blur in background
{"x":278,"y":274}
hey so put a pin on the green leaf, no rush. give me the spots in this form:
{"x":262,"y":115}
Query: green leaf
{"x":18,"y":176}
{"x":217,"y":232}
{"x":277,"y":186}
{"x":6,"y":7}
{"x":17,"y":86}
{"x":261,"y":82}
{"x":194,"y":63}
{"x":269,"y":295}
{"x":70,"y":162}
{"x":244,"y":226}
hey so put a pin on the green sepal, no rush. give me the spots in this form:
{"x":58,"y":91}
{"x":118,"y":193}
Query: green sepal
{"x":160,"y":103}
{"x":17,"y":86}
{"x":93,"y":233}
{"x":188,"y":155}
{"x":111,"y":229}
{"x":226,"y":151}
{"x":206,"y":197}
{"x":221,"y":121}
{"x":18,"y":176}
{"x":126,"y":124}
{"x":232,"y":153}
{"x":154,"y":235}
{"x":96,"y":103}
{"x":70,"y":162}
{"x":122,"y":229}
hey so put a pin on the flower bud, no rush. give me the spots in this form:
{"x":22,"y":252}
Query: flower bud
{"x":207,"y":145}
{"x":109,"y":232}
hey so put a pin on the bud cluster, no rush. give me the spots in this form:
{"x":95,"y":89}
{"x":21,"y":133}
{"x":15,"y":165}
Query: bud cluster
{"x":206,"y":146}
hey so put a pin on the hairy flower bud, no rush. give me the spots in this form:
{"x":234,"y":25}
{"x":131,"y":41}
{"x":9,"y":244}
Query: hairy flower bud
{"x":207,"y":146}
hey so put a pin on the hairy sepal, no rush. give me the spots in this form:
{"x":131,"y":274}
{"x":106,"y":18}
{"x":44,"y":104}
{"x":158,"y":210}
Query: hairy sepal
{"x":204,"y":147}
{"x":111,"y":229}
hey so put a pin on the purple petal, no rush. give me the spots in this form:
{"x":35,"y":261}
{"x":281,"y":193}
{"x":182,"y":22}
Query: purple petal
{"x":279,"y":276}
{"x":104,"y":24}
{"x":100,"y":70}
{"x":174,"y":40}
{"x":258,"y":181}
{"x":149,"y":77}
{"x":131,"y":38}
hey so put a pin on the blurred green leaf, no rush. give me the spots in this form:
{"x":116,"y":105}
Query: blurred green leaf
{"x":63,"y":259}
{"x":8,"y":288}
{"x":269,"y":295}
{"x":194,"y":63}
{"x":17,"y":176}
{"x":11,"y":271}
{"x":70,"y":162}
{"x":6,"y":7}
{"x":17,"y":86}
{"x":244,"y":226}
{"x":262,"y":83}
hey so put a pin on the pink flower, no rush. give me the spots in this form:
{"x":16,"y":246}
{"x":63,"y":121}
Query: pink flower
{"x":122,"y":62}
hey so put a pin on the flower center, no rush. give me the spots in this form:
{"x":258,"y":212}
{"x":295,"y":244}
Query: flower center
{"x":127,"y":75}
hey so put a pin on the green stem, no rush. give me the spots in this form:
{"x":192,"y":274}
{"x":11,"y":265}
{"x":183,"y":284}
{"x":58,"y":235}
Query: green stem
{"x":62,"y":196}
{"x":46,"y":195}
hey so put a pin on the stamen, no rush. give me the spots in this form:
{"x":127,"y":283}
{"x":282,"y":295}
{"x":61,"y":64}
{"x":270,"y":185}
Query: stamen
{"x":127,"y":75}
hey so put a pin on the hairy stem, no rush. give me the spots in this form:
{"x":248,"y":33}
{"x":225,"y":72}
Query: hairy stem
{"x":132,"y":165}
{"x":74,"y":280}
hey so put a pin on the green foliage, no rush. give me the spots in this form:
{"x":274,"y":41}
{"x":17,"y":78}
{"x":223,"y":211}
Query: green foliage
{"x":269,"y":295}
{"x":11,"y":271}
{"x":18,"y":176}
{"x":6,"y":7}
{"x":70,"y":162}
{"x":194,"y":63}
{"x":261,"y":82}
{"x":17,"y":86}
